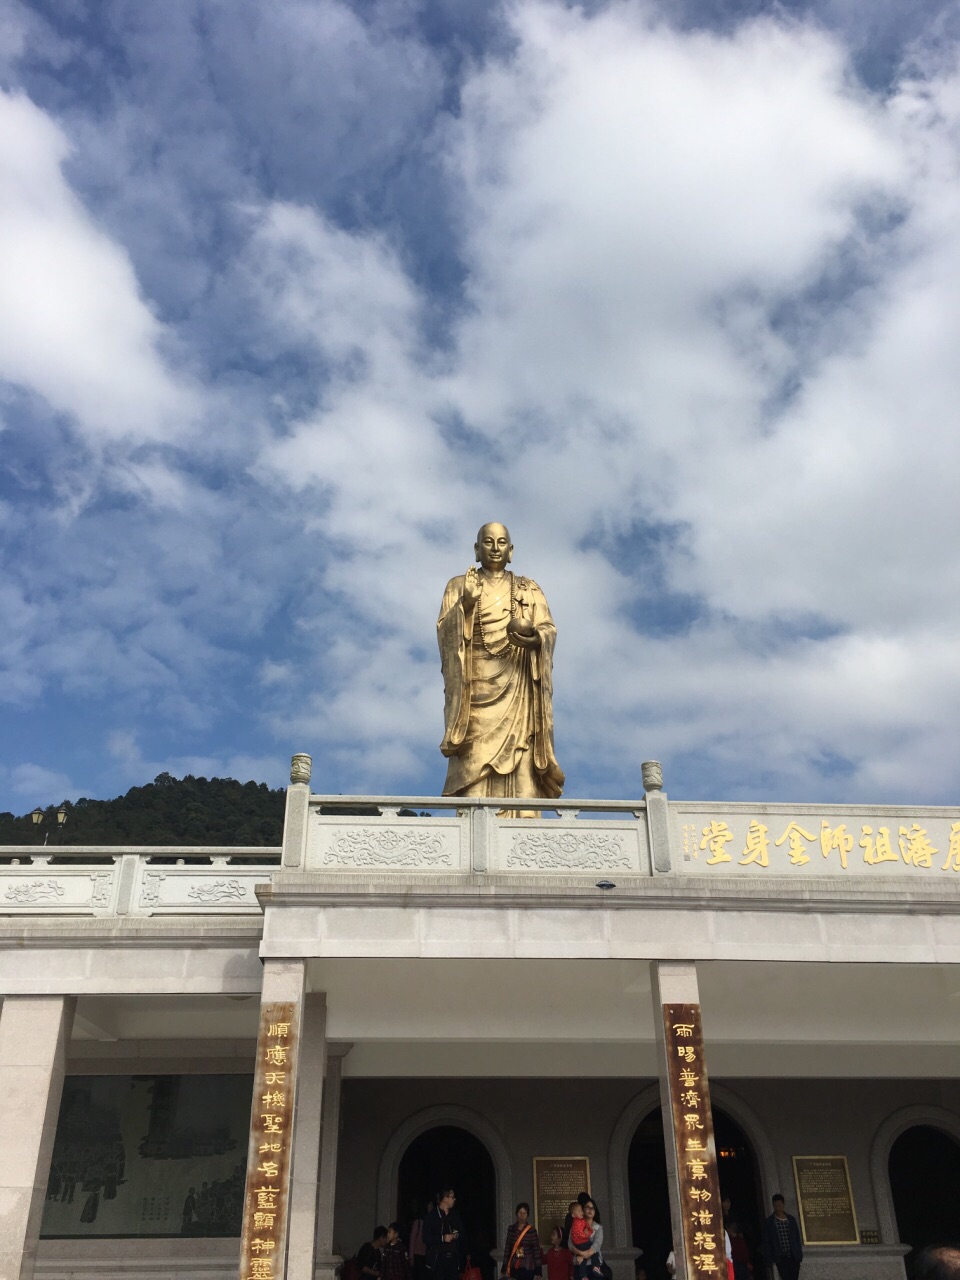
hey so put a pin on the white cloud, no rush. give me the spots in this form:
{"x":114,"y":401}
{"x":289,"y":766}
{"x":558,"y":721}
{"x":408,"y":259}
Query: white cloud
{"x":36,"y":784}
{"x":704,"y":358}
{"x":74,"y":328}
{"x":134,"y":769}
{"x":664,"y":232}
{"x":273,"y":673}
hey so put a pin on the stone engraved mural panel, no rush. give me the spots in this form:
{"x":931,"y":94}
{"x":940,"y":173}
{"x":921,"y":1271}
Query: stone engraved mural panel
{"x":196,"y":889}
{"x":33,"y":891}
{"x":377,"y":847}
{"x":218,"y":891}
{"x":551,"y":850}
{"x":69,"y":892}
{"x":149,"y":1156}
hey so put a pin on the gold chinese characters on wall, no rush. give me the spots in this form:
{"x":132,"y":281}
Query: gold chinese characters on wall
{"x":813,"y":844}
{"x":696,"y":1153}
{"x":264,"y":1237}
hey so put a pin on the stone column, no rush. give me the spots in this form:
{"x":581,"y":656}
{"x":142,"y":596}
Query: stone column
{"x":306,"y":1148}
{"x":34,"y":1033}
{"x":327,"y":1260}
{"x":273,"y":1122}
{"x":695,"y":1213}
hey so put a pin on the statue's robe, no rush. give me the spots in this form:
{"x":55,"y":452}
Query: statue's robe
{"x":498,"y":713}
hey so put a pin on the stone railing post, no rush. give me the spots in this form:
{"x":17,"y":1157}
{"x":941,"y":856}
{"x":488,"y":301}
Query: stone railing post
{"x":297,"y":812}
{"x":481,"y":833}
{"x":658,"y":816}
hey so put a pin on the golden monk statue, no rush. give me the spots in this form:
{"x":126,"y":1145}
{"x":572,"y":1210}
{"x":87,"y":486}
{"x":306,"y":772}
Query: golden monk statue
{"x":496,"y":640}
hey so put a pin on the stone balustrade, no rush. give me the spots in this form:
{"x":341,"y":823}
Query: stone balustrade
{"x":472,"y":835}
{"x":99,"y":880}
{"x":393,"y":838}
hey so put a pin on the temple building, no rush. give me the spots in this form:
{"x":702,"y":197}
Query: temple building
{"x":234,"y":1061}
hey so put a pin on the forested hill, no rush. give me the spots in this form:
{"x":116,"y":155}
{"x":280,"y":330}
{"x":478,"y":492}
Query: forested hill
{"x":187,"y":811}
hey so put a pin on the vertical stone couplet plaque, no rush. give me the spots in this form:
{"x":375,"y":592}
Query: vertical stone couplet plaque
{"x":825,"y":1197}
{"x":556,"y":1181}
{"x":263,"y":1243}
{"x":699,"y":1186}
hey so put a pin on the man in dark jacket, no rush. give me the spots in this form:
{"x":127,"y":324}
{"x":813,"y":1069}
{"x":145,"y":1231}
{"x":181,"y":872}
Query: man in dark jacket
{"x":370,"y":1255}
{"x":441,"y":1234}
{"x":781,"y":1241}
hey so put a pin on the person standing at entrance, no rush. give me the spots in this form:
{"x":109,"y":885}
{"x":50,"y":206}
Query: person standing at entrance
{"x":739,"y":1252}
{"x":522,"y":1255}
{"x":417,"y":1253}
{"x":395,"y":1264}
{"x":781,"y":1241}
{"x":370,"y":1255}
{"x":587,"y":1256}
{"x":441,"y":1233}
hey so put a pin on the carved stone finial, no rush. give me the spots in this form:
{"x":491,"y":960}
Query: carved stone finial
{"x":652,"y":773}
{"x":301,"y":766}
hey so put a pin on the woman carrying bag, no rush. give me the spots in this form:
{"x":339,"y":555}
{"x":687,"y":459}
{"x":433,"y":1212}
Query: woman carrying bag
{"x":522,"y":1255}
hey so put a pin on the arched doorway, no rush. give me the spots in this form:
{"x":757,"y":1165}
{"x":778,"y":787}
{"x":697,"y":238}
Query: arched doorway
{"x":649,"y":1200}
{"x":924,"y":1168}
{"x":448,"y":1156}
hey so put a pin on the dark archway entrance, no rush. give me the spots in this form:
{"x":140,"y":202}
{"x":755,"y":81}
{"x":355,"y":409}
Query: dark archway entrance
{"x":924,"y":1171}
{"x":454,"y":1157}
{"x":649,"y":1201}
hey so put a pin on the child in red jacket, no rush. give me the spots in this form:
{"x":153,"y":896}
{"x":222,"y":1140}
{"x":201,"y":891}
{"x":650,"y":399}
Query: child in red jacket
{"x":558,"y":1259}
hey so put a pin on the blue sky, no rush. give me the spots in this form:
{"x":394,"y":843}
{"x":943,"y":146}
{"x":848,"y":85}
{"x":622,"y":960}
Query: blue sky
{"x":294,"y":296}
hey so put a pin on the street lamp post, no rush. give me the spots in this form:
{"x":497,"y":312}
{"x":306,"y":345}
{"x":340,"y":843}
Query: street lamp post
{"x":62,"y":814}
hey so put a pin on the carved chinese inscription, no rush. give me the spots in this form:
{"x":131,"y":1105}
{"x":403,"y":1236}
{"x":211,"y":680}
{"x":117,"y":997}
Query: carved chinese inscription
{"x":819,"y":846}
{"x":699,"y":1187}
{"x":264,"y":1239}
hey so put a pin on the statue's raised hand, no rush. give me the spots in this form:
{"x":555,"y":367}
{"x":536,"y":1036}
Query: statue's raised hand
{"x":472,"y":586}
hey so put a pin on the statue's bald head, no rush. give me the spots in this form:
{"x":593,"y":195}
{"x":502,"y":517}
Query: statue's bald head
{"x":493,"y":525}
{"x":493,"y":547}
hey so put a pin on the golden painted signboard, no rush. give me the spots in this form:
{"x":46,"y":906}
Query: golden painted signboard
{"x":556,"y":1181}
{"x":696,"y":1151}
{"x":827,"y":1215}
{"x":263,"y":1243}
{"x":805,"y":841}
